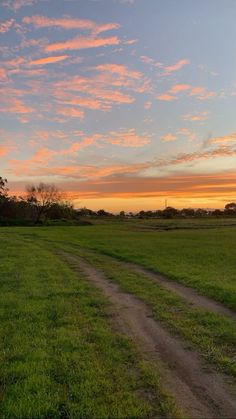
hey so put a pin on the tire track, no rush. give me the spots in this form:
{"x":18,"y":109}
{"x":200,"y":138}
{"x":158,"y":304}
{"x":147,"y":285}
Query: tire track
{"x":200,"y":393}
{"x":189,"y":294}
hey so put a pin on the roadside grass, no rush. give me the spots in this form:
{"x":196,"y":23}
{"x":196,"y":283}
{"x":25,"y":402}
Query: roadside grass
{"x":201,"y":259}
{"x":213,"y":335}
{"x":59,"y":356}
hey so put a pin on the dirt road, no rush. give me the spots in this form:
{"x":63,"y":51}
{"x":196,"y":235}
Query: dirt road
{"x":198,"y":389}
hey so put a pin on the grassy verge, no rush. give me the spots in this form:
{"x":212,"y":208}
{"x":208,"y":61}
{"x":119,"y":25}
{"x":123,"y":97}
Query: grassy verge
{"x":59,"y":356}
{"x":201,"y":259}
{"x":214,"y":335}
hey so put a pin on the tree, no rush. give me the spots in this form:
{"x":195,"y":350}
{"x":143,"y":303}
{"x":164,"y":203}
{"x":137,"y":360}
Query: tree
{"x":42,"y":197}
{"x":187,"y":212}
{"x":230,"y":209}
{"x":3,"y":187}
{"x":169,"y":212}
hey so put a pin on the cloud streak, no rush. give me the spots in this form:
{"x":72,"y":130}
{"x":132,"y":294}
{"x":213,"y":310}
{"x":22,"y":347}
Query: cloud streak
{"x":78,"y":43}
{"x":69,"y":23}
{"x":47,"y":60}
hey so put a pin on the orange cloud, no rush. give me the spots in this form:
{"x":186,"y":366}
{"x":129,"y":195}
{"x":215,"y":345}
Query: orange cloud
{"x":40,"y":160}
{"x":199,"y":92}
{"x":35,"y":72}
{"x":127,"y":138}
{"x":81,"y":43}
{"x":77,"y":146}
{"x":177,"y":66}
{"x":202,"y":93}
{"x":224,"y":139}
{"x":71,"y":112}
{"x":177,"y":88}
{"x":48,"y":60}
{"x":201,"y":116}
{"x":15,"y":62}
{"x":119,"y":69}
{"x":166,"y":97}
{"x":7,"y":148}
{"x":99,"y":94}
{"x":134,"y":192}
{"x":168,"y":137}
{"x":69,"y":99}
{"x":110,"y":85}
{"x":167,"y":69}
{"x":69,"y":23}
{"x":14,"y":105}
{"x":3,"y":74}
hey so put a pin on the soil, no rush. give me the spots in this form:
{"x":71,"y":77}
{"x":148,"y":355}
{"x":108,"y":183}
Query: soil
{"x":187,"y":293}
{"x":199,"y":390}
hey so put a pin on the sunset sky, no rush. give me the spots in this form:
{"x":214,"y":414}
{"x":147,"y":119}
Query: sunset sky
{"x":121,"y":103}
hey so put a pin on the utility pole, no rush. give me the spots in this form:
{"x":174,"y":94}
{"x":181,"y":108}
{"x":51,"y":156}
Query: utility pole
{"x":165,"y":203}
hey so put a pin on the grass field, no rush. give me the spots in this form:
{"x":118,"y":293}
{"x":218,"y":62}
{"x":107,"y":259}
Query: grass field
{"x":200,"y":258}
{"x":61,"y":354}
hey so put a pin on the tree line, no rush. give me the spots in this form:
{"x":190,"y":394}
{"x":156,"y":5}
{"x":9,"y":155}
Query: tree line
{"x":46,"y":204}
{"x":41,"y":203}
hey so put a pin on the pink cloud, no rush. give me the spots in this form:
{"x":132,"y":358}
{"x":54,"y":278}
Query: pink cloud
{"x":98,"y":91}
{"x":15,"y":62}
{"x":48,"y":60}
{"x":3,"y":75}
{"x":166,"y":97}
{"x":167,"y":69}
{"x":110,"y":84}
{"x":77,"y":146}
{"x":5,"y":26}
{"x":71,"y":112}
{"x":120,"y":70}
{"x":202,"y":93}
{"x":15,"y":105}
{"x":18,"y":4}
{"x":81,"y":43}
{"x":177,"y":66}
{"x":127,"y":138}
{"x":70,"y":23}
{"x":199,"y":92}
{"x":70,"y":99}
{"x":177,"y":88}
{"x":7,"y":148}
{"x":38,"y":163}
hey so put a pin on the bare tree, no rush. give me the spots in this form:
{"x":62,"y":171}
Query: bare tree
{"x":42,"y":197}
{"x":3,"y":187}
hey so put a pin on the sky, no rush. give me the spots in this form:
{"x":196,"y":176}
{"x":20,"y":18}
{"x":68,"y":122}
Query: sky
{"x":123,"y":104}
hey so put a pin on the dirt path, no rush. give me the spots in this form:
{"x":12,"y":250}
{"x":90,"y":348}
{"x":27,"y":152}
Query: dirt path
{"x":187,"y":293}
{"x":200,"y":393}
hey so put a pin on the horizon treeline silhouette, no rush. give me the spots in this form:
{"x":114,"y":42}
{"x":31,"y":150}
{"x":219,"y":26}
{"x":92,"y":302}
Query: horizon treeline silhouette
{"x":46,"y":204}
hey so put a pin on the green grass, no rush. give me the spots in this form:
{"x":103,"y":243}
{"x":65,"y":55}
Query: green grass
{"x":60,"y":357}
{"x":213,"y":335}
{"x":202,"y":259}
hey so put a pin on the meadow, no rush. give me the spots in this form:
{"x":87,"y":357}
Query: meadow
{"x":66,"y":351}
